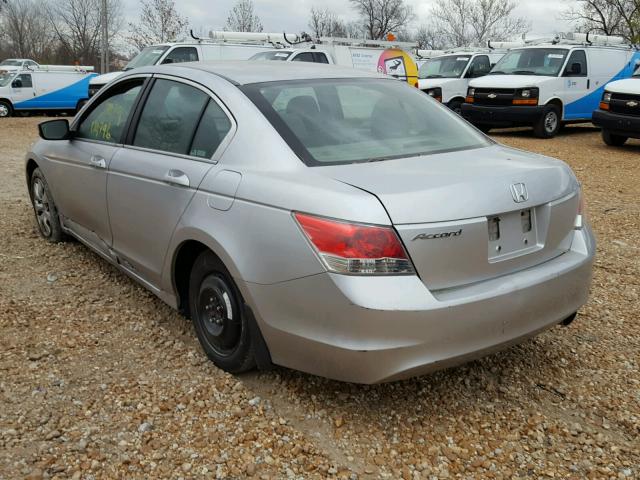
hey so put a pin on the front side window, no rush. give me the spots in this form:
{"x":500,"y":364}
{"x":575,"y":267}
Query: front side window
{"x":577,"y":64}
{"x":23,"y":81}
{"x":360,"y":120}
{"x":106,"y":121}
{"x":147,"y":56}
{"x":303,"y":57}
{"x":450,"y":66}
{"x":479,"y":66}
{"x":531,"y":61}
{"x":182,"y":54}
{"x":170,"y":116}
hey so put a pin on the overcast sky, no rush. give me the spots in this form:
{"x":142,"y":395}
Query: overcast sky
{"x":292,"y":15}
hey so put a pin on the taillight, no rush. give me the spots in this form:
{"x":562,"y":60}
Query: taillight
{"x":355,"y":249}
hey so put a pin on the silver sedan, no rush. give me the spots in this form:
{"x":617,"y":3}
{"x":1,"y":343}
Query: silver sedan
{"x":328,"y":220}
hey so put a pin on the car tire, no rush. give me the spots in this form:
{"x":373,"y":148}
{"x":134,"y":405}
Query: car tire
{"x":613,"y":140}
{"x":217,"y":312}
{"x":456,"y":106}
{"x":6,"y":110}
{"x":549,"y":123}
{"x":45,"y":208}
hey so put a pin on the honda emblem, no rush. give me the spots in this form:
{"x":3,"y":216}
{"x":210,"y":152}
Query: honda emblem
{"x":519,"y":192}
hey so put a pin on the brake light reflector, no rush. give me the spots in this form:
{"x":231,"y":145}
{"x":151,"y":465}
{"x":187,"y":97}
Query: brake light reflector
{"x":582,"y":212}
{"x":355,"y":248}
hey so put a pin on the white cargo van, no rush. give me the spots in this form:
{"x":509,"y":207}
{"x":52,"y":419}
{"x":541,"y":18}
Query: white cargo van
{"x":549,"y":84}
{"x":390,"y":57}
{"x":619,"y":112}
{"x":220,"y":46}
{"x":43,"y":90}
{"x":446,"y":77}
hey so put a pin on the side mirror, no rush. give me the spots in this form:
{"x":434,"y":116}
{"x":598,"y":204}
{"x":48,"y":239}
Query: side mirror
{"x":575,"y":69}
{"x":16,"y":83}
{"x":55,"y":129}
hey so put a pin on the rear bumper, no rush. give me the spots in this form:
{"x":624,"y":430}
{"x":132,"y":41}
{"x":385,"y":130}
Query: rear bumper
{"x":376,"y":329}
{"x":507,"y":116}
{"x":623,"y":125}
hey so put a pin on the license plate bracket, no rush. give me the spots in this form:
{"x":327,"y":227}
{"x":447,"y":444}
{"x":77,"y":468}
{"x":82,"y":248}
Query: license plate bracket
{"x":512,"y":234}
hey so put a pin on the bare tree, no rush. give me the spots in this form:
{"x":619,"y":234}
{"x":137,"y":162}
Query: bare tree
{"x":77,"y":26}
{"x":381,"y":17}
{"x":325,"y":23}
{"x":25,"y":30}
{"x":159,"y":22}
{"x":468,"y":22}
{"x":428,"y":37}
{"x":610,"y":17}
{"x":242,"y":18}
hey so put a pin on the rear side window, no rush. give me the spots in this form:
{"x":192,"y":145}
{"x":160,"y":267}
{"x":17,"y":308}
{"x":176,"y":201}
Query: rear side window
{"x":107,"y":119}
{"x":170,"y":116}
{"x":213,"y":127}
{"x":182,"y":54}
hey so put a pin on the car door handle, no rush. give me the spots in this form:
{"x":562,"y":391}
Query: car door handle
{"x":177,"y":177}
{"x":98,"y":162}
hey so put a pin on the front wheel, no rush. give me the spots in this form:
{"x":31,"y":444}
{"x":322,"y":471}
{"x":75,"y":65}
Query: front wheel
{"x":549,"y":124}
{"x":216,"y":309}
{"x":5,"y":109}
{"x":45,"y":208}
{"x":613,"y":140}
{"x":456,"y":106}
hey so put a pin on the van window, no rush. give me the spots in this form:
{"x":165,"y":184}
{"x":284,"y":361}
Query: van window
{"x":580,"y":57}
{"x":212,"y":129}
{"x":181,"y":54}
{"x":105,"y":122}
{"x":170,"y":116}
{"x":303,"y":57}
{"x":479,"y":66}
{"x":25,"y":80}
{"x":531,"y":61}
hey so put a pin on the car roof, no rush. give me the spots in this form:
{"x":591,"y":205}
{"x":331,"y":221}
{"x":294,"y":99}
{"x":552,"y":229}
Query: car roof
{"x":243,"y":72}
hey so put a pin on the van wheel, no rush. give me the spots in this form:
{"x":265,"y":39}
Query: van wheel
{"x":5,"y":109}
{"x":456,"y":106}
{"x":613,"y":140}
{"x":45,"y":208}
{"x":549,"y":123}
{"x":216,"y":304}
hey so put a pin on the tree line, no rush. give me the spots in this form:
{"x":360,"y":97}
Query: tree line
{"x":69,"y":31}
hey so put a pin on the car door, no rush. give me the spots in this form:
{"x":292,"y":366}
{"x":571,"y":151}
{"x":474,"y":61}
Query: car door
{"x":78,"y":166}
{"x":155,"y":175}
{"x":22,"y":89}
{"x":577,"y":87}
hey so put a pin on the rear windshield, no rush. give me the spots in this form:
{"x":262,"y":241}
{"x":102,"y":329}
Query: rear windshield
{"x":277,"y":55}
{"x":327,"y":122}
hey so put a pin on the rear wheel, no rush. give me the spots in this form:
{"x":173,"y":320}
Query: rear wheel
{"x":216,"y":309}
{"x":5,"y":109}
{"x":549,"y":123}
{"x":45,"y":208}
{"x":613,"y":140}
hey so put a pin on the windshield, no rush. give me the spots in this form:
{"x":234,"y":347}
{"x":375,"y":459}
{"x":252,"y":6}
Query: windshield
{"x":272,"y":55}
{"x":148,"y":56}
{"x":531,"y":61}
{"x":444,"y":67}
{"x":329,"y":121}
{"x":12,"y":63}
{"x":5,"y":78}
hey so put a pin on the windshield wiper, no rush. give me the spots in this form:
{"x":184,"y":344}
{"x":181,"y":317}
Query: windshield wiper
{"x":524,"y":72}
{"x":497,"y":72}
{"x":433,"y":76}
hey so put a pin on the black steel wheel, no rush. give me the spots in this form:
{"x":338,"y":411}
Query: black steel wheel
{"x":216,"y":308}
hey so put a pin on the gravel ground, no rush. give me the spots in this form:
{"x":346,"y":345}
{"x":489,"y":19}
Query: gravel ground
{"x":99,"y":379}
